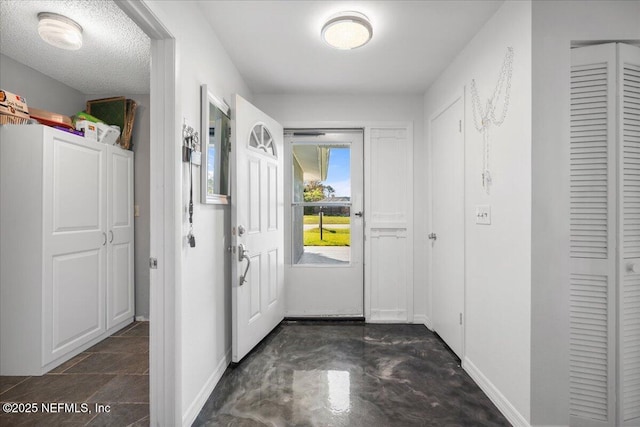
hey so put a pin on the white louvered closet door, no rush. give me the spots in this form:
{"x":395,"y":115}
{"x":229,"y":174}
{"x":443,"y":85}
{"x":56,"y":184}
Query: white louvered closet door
{"x":592,"y":222}
{"x":629,"y":234}
{"x":605,"y":237}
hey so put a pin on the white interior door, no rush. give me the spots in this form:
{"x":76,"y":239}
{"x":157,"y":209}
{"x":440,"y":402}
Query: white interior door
{"x":325,"y":275}
{"x":448,"y":225}
{"x":257,"y":226}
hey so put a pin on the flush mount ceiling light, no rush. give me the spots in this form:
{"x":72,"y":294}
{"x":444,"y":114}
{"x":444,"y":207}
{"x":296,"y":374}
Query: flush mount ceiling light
{"x":59,"y":31}
{"x":347,"y":30}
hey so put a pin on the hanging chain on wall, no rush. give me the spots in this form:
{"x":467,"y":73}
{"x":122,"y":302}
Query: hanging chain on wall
{"x":189,"y":144}
{"x":488,"y":115}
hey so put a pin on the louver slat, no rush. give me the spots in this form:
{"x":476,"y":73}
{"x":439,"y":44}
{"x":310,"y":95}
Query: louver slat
{"x":630,"y":304}
{"x":589,"y":161}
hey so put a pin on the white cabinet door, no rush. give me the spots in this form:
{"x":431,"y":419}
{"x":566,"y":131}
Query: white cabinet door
{"x":74,"y":243}
{"x":120,"y":274}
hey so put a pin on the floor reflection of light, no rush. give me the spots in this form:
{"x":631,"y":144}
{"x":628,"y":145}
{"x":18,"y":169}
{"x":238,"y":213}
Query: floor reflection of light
{"x":339,"y":391}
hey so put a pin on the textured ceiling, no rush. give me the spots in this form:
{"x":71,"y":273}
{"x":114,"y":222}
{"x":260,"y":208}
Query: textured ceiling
{"x":276,"y":45}
{"x":114,"y":57}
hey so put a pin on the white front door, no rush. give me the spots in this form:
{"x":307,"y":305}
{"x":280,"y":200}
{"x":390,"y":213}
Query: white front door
{"x":257,"y":226}
{"x":448,"y":225}
{"x":325,"y":222}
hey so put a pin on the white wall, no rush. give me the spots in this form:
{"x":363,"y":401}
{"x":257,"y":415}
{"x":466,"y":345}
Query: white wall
{"x":372,"y":108}
{"x":39,"y":90}
{"x":204,"y":293}
{"x":498,"y":269}
{"x":555,"y":26}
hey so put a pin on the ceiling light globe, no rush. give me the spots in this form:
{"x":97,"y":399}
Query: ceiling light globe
{"x":347,"y":30}
{"x":59,"y":31}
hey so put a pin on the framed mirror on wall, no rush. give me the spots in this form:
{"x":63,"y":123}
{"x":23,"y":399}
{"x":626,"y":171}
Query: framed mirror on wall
{"x":216,"y":144}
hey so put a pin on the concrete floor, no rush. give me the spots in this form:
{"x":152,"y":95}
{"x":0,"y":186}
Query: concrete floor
{"x":326,"y":255}
{"x":349,"y":374}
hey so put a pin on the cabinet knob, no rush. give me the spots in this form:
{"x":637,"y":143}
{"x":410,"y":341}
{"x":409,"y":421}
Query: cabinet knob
{"x":104,"y":237}
{"x":633,"y":267}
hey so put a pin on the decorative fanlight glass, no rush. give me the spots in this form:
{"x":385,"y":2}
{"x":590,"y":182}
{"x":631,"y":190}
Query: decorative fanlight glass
{"x":261,"y":139}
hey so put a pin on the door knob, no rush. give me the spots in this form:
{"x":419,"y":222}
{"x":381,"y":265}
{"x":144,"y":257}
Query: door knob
{"x":358,"y":214}
{"x":241,"y":230}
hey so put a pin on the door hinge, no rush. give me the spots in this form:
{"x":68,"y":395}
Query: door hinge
{"x":153,"y":263}
{"x":461,"y":318}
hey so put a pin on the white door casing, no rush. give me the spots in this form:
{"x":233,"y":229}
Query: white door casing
{"x":257,"y":221}
{"x":447,"y":165}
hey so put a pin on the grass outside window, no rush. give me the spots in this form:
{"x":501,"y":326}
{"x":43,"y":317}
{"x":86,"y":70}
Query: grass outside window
{"x":330,"y":237}
{"x":315,"y":219}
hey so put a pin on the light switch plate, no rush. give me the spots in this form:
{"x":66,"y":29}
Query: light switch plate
{"x":196,"y":158}
{"x":483,"y":214}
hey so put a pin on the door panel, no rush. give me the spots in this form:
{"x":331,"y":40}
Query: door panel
{"x":77,"y":286}
{"x":74,"y":245}
{"x":120,"y":269}
{"x":389,"y":225}
{"x":592,"y":221}
{"x":325,"y":271}
{"x":257,"y":225}
{"x":448,"y":225}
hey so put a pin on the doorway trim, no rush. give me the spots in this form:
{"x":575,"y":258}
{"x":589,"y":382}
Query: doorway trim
{"x":164,"y":375}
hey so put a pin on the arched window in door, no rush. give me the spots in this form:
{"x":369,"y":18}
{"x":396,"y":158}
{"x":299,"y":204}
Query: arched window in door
{"x":261,"y":139}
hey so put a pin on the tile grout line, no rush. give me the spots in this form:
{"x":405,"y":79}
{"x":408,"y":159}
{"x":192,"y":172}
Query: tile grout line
{"x":62,"y":372}
{"x":15,"y":385}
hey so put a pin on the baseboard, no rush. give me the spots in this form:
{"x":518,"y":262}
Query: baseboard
{"x":142,"y":319}
{"x":388,"y":316}
{"x":198,"y":403}
{"x":419,"y":319}
{"x":428,"y":323}
{"x":422,"y":319}
{"x":498,"y":399}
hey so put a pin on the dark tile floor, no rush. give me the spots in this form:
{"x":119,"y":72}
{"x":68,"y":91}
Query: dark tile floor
{"x":352,"y":374}
{"x":114,"y":373}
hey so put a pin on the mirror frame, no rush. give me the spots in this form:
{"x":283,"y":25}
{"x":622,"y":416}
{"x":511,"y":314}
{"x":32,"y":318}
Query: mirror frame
{"x":208,"y":99}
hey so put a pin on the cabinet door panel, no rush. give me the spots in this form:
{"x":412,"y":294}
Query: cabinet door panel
{"x":76,"y":196}
{"x":75,"y":243}
{"x":77,"y":313}
{"x":120,"y":296}
{"x":120,"y":289}
{"x":122,"y":197}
